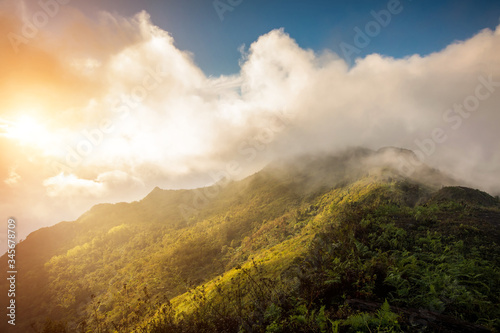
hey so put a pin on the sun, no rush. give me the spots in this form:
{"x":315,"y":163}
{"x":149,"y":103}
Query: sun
{"x":24,"y":129}
{"x":27,"y":131}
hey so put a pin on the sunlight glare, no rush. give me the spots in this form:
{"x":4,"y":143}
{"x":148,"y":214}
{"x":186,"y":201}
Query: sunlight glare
{"x":28,"y":131}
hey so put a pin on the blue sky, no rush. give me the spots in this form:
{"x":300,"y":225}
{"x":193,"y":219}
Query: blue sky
{"x":422,"y":27}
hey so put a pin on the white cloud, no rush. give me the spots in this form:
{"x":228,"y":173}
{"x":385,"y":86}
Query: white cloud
{"x":166,"y":113}
{"x":71,"y":186}
{"x":13,"y":178}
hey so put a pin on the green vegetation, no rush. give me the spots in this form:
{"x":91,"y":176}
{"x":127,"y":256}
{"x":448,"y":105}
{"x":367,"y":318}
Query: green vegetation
{"x":366,"y":252}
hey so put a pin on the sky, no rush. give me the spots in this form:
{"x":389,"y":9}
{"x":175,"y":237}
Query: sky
{"x":104,"y":100}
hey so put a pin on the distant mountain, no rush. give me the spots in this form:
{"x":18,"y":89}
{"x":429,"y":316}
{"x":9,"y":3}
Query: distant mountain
{"x":349,"y":242}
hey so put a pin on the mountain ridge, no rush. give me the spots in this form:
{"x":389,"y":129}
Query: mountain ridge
{"x":123,"y":255}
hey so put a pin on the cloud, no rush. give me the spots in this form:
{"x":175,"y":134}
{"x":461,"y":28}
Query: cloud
{"x":13,"y":177}
{"x":126,"y":110}
{"x":70,"y":186}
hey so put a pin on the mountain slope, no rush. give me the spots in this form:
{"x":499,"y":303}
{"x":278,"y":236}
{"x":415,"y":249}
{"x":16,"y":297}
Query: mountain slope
{"x":295,"y":240}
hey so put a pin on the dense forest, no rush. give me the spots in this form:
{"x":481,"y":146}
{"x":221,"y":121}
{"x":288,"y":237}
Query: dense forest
{"x":343,"y":243}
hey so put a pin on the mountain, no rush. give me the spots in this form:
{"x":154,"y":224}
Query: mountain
{"x":345,"y":242}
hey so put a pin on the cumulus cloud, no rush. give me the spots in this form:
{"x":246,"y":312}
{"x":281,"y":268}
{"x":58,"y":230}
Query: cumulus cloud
{"x":64,"y":185}
{"x":126,"y":110}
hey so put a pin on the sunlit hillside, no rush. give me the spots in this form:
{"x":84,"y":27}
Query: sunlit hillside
{"x":343,"y":243}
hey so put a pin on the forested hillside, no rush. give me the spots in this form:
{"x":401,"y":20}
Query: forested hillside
{"x":341,"y":243}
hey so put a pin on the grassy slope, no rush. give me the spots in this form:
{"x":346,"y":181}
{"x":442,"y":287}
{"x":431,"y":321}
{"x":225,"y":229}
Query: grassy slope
{"x":114,"y":254}
{"x":361,"y":245}
{"x":268,"y":240}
